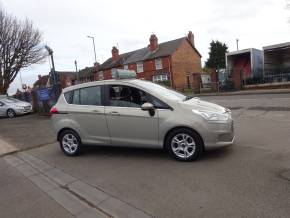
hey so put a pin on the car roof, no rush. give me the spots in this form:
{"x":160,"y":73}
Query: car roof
{"x":103,"y":82}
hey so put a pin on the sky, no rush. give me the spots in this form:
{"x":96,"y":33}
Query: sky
{"x":128,"y":24}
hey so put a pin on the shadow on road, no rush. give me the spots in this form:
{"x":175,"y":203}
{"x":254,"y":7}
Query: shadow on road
{"x":146,"y":153}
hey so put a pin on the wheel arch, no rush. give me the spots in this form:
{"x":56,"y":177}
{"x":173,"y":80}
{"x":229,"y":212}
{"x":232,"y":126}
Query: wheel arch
{"x":181,"y":127}
{"x":64,"y":129}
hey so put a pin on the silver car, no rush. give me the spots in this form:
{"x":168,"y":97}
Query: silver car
{"x":10,"y":107}
{"x":139,"y":113}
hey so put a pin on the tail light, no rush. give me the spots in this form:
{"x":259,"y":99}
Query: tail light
{"x":53,"y":110}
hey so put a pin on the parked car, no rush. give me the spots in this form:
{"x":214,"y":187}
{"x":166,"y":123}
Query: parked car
{"x":139,"y":113}
{"x":10,"y":107}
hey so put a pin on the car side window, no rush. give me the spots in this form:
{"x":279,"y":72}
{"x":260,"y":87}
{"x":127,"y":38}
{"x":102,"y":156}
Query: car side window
{"x":90,"y":96}
{"x":126,"y":96}
{"x":76,"y":97}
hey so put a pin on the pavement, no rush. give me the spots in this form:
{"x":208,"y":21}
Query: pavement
{"x":249,"y":179}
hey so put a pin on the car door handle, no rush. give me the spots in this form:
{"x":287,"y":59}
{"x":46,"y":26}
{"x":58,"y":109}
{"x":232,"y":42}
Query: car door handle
{"x":114,"y":113}
{"x":97,"y":111}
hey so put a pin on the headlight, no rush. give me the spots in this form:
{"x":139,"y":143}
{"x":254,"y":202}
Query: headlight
{"x":19,"y":107}
{"x":212,"y":116}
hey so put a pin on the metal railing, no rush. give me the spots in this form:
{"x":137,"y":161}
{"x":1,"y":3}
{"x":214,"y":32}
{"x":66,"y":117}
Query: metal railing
{"x":271,"y":78}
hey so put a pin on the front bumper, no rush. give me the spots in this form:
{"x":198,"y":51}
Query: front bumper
{"x":23,"y":111}
{"x":219,"y":135}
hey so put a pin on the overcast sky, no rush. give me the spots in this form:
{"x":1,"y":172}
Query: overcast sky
{"x":129,"y":23}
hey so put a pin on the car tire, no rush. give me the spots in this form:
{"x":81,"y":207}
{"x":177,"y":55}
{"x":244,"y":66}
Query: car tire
{"x":11,"y":113}
{"x":70,"y":143}
{"x":184,"y":144}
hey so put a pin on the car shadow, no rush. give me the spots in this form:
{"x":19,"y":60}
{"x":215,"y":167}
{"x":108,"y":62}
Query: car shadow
{"x":217,"y":153}
{"x":17,"y":116}
{"x":124,"y":152}
{"x":146,"y":153}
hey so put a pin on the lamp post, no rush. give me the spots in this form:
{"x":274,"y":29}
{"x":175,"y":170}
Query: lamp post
{"x":237,"y":41}
{"x":93,"y":38}
{"x":76,"y":65}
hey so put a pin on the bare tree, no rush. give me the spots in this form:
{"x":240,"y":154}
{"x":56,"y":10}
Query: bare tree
{"x":19,"y":48}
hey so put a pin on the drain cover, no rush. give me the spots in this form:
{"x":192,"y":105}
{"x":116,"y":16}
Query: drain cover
{"x":286,"y":175}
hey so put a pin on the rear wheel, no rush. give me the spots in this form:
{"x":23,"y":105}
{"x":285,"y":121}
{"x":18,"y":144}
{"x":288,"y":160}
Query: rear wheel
{"x":70,"y":143}
{"x":11,"y":113}
{"x":184,"y":144}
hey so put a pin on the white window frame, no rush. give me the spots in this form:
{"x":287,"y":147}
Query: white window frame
{"x":139,"y":66}
{"x":158,"y":64}
{"x":101,"y":75}
{"x":160,"y":78}
{"x":126,"y":67}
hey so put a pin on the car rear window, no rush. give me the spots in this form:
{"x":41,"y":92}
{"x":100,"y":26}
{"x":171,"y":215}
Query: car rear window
{"x":68,"y":97}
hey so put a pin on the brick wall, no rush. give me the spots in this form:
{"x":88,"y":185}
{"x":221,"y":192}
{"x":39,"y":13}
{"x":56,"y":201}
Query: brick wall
{"x":185,"y":60}
{"x":148,"y":67}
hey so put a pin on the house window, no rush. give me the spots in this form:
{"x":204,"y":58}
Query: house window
{"x":113,"y":72}
{"x":140,"y":67}
{"x":101,"y":75}
{"x":160,"y":78}
{"x":126,"y":67}
{"x":158,"y":64}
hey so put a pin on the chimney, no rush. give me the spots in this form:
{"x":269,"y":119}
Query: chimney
{"x":153,"y":43}
{"x":39,"y":77}
{"x":190,"y":38}
{"x":115,"y":53}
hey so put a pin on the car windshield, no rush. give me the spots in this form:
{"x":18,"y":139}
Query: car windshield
{"x":164,"y":91}
{"x":10,"y":100}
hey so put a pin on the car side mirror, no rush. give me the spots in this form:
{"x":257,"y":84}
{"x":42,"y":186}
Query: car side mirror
{"x":148,"y":107}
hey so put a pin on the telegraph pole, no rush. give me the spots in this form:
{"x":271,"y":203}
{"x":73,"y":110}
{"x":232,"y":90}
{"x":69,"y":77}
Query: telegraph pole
{"x":54,"y":74}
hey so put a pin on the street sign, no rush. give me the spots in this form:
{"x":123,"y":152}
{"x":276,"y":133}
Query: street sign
{"x":43,"y":94}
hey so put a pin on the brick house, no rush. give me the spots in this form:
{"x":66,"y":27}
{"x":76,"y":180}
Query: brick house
{"x":177,"y":62}
{"x":67,"y":78}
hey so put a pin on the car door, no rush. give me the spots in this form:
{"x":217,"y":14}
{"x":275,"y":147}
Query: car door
{"x":87,"y":112}
{"x":128,"y":124}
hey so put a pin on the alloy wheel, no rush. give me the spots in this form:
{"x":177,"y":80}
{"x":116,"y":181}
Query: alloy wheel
{"x":183,"y":145}
{"x":10,"y":113}
{"x":70,"y":143}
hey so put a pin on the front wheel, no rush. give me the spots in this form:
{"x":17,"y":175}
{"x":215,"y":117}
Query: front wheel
{"x":70,"y":143}
{"x":11,"y":113}
{"x":184,"y":144}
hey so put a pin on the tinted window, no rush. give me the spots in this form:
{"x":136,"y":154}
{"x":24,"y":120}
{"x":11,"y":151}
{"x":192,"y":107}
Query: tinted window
{"x":68,"y":97}
{"x":126,"y":96}
{"x":90,"y":95}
